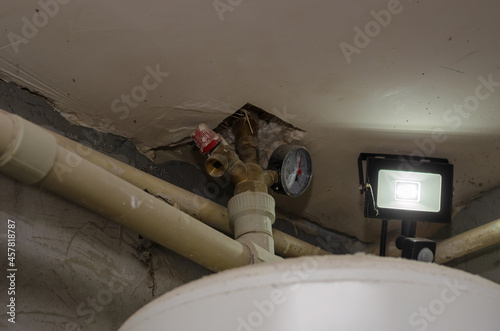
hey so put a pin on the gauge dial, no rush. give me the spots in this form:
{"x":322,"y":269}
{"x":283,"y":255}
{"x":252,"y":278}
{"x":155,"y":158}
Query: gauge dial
{"x":294,"y":167}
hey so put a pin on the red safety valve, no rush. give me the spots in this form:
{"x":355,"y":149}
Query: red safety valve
{"x":205,"y":138}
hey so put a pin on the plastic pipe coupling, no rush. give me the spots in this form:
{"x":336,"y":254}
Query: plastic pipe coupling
{"x":27,"y":152}
{"x":251,"y":215}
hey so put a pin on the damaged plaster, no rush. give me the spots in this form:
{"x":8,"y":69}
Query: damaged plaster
{"x":272,"y":132}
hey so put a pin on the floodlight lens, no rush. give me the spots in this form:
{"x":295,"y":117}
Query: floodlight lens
{"x":404,"y":190}
{"x":407,"y":191}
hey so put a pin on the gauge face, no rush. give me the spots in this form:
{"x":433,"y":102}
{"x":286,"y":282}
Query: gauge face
{"x":294,"y":166}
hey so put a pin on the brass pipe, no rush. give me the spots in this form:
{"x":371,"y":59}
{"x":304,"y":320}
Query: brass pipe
{"x":252,"y":209}
{"x":246,"y":138}
{"x":270,"y":177}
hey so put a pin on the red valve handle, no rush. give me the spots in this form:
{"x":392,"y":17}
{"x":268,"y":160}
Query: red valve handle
{"x":205,"y":138}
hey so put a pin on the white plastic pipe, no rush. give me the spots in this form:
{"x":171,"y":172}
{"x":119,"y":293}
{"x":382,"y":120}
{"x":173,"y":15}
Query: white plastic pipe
{"x":28,"y":156}
{"x":252,"y":215}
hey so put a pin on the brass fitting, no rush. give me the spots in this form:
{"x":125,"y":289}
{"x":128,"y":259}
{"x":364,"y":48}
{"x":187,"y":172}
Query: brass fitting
{"x":246,"y":137}
{"x":243,"y":167}
{"x":216,"y":164}
{"x":246,"y":176}
{"x":252,"y":209}
{"x":254,"y":180}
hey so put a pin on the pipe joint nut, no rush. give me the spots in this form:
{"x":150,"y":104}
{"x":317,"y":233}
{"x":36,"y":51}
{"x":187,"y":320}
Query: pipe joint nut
{"x":251,"y":212}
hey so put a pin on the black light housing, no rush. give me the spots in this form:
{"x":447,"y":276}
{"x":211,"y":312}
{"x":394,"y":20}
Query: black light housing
{"x":406,"y":188}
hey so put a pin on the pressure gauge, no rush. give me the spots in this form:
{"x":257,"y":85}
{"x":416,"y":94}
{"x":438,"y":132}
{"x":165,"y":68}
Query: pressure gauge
{"x":294,"y":167}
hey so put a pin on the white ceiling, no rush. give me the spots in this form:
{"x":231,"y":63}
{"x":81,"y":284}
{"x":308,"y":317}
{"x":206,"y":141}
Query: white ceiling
{"x":284,"y":57}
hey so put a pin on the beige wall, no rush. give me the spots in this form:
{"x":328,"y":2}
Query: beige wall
{"x":75,"y":268}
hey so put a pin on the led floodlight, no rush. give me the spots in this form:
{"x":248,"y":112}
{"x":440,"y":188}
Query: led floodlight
{"x":407,"y":188}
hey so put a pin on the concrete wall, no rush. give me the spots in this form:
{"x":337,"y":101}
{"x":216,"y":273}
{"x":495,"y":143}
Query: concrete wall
{"x":77,"y":270}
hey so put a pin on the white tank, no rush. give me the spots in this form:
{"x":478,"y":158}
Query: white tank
{"x":351,"y":292}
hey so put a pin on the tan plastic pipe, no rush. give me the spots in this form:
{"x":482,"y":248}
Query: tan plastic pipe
{"x":468,"y":242}
{"x":194,"y":205}
{"x":31,"y":155}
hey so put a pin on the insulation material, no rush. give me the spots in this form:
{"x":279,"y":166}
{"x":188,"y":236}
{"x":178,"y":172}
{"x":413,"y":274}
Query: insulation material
{"x":272,"y":132}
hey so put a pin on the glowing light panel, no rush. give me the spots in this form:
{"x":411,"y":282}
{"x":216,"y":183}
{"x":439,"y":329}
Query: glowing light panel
{"x":417,"y":191}
{"x":407,"y":191}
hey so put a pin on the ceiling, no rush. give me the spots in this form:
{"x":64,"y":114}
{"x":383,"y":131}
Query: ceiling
{"x":358,"y":76}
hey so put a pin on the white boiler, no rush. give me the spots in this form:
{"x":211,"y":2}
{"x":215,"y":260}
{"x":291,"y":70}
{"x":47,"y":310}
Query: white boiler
{"x":350,"y":292}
